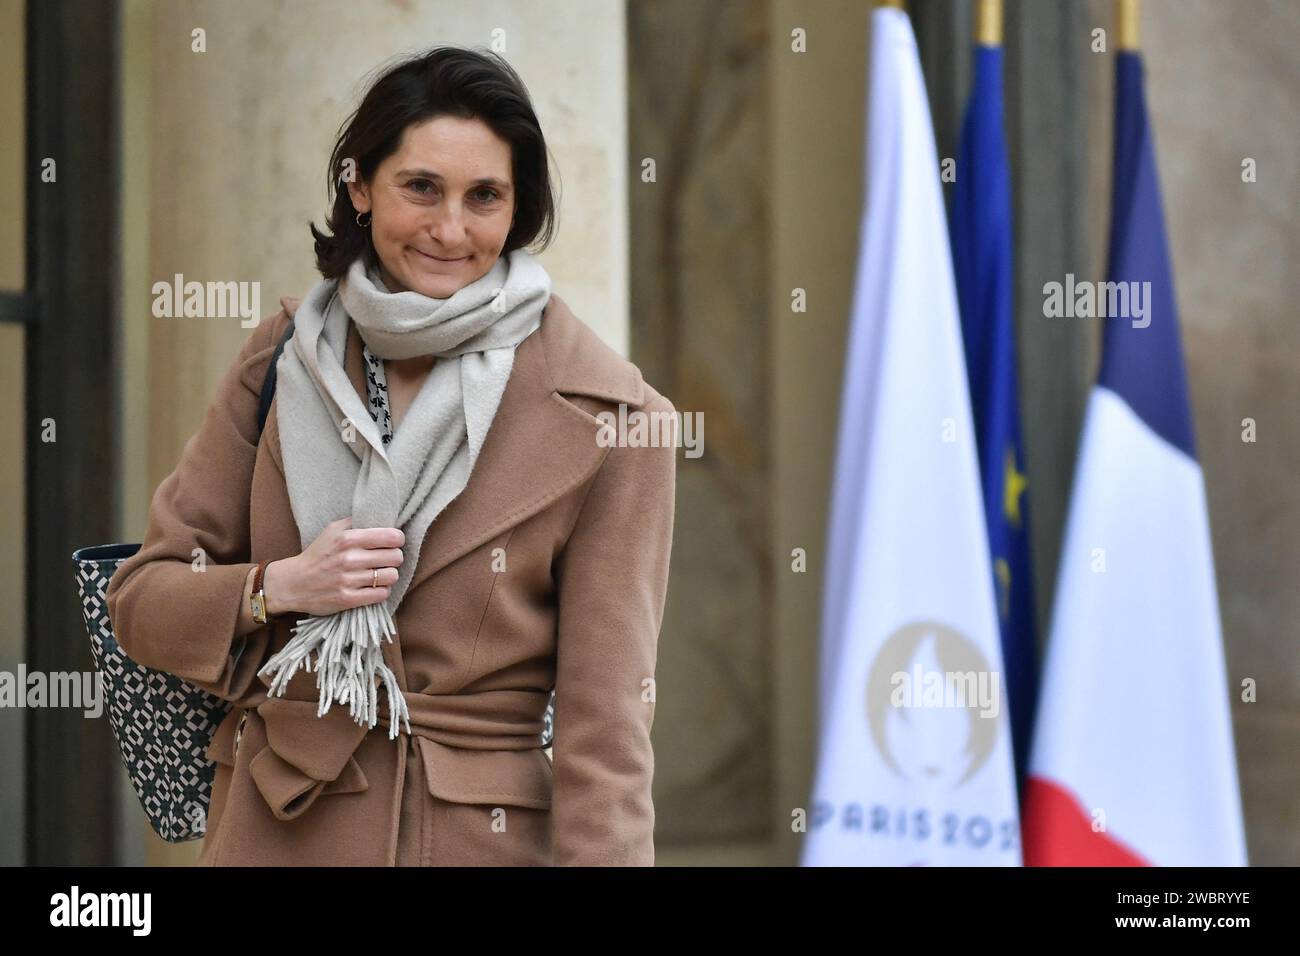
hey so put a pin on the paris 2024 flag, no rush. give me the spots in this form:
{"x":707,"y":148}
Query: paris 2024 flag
{"x":915,"y":763}
{"x":1132,"y":762}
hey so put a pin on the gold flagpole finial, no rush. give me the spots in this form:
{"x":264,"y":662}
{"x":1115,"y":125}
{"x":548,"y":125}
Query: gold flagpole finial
{"x":988,"y":23}
{"x":1126,"y":24}
{"x":895,"y":4}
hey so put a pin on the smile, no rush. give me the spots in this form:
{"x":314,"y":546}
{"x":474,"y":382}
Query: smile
{"x":438,"y":259}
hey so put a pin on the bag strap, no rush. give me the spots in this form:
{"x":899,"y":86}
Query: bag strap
{"x":268,"y":383}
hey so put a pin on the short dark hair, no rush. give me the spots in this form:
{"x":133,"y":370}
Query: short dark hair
{"x":442,"y":81}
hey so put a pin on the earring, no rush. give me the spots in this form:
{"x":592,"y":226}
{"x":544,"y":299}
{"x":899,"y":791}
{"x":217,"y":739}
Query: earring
{"x":363,"y":225}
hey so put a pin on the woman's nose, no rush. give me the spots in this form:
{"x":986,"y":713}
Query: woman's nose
{"x":448,"y":228}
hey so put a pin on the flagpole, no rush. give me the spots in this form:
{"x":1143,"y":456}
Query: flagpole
{"x":988,"y":23}
{"x":1126,"y":16}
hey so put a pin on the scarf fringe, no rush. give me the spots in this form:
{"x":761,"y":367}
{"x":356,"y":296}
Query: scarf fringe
{"x":349,"y":657}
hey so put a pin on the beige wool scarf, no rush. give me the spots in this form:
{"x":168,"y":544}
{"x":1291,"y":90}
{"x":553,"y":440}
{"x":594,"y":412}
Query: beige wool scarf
{"x":335,"y":460}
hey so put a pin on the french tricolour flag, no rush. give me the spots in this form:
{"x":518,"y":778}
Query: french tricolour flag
{"x":1132,"y":762}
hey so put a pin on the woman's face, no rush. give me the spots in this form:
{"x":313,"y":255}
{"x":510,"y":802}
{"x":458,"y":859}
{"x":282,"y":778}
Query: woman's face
{"x":441,"y":206}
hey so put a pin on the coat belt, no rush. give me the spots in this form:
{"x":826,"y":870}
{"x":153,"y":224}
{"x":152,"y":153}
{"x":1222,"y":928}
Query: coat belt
{"x":306,"y":755}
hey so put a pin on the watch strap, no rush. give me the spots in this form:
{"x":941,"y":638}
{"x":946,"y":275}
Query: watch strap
{"x":259,"y":588}
{"x":259,"y":575}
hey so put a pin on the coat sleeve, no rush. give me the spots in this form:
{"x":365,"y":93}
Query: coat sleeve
{"x":612,"y":584}
{"x":175,"y":603}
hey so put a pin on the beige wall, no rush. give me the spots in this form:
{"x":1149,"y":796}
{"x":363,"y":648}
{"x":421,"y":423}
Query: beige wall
{"x":1223,"y":84}
{"x":225,"y":159}
{"x":818,"y":112}
{"x":698,"y":100}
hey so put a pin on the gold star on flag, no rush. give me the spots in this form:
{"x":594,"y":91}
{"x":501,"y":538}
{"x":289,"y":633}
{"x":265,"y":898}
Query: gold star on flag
{"x":1013,"y":486}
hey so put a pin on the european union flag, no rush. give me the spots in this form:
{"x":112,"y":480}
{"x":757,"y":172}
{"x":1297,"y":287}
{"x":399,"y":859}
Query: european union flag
{"x":981,"y":249}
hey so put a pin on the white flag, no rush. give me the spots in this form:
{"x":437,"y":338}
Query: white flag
{"x":915,"y":758}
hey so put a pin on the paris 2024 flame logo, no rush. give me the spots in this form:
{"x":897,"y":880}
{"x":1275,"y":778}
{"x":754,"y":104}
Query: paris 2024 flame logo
{"x":932,"y":703}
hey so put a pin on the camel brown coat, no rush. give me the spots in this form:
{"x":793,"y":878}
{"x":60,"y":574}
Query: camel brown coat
{"x":549,"y":570}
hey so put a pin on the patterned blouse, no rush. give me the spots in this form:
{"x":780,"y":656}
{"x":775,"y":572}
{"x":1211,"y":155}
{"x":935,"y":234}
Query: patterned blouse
{"x":377,"y":389}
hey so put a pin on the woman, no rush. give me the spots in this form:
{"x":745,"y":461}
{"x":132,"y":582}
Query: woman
{"x":390,"y":710}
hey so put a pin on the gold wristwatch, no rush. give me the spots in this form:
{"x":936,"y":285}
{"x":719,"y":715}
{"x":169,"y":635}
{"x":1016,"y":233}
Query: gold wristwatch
{"x":258,"y":597}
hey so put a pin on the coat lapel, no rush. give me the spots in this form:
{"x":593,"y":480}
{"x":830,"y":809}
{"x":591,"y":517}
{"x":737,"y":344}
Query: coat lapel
{"x":541,"y":444}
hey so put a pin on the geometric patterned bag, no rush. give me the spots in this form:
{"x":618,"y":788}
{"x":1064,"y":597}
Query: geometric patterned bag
{"x":162,"y":723}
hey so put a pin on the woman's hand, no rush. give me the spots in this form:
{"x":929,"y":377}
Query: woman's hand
{"x":336,"y":570}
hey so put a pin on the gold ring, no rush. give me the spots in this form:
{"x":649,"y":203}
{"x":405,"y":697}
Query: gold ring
{"x":374,"y":581}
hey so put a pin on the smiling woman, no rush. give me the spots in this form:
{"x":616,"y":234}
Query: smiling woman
{"x":438,"y":182}
{"x":441,"y":207}
{"x":431,"y":374}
